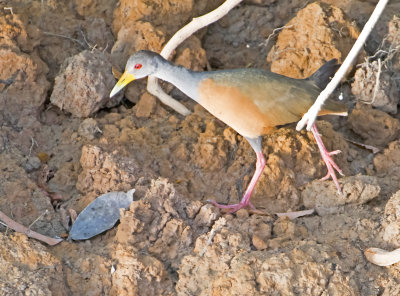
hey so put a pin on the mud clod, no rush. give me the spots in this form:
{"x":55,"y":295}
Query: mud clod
{"x":82,"y":87}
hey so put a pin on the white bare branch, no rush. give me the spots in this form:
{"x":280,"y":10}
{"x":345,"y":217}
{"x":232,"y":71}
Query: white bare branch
{"x":196,"y":24}
{"x":309,"y":118}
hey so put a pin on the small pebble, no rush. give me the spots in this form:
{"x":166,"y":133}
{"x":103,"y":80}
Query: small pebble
{"x":258,"y":243}
{"x":89,"y":129}
{"x":32,"y":164}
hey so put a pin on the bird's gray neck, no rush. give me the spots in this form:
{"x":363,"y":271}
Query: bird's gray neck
{"x":184,"y":79}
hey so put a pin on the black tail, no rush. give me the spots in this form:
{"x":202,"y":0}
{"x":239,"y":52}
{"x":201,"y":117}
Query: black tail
{"x":323,"y":75}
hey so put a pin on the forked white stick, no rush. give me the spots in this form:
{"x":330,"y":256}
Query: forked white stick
{"x":196,"y":24}
{"x":311,"y":115}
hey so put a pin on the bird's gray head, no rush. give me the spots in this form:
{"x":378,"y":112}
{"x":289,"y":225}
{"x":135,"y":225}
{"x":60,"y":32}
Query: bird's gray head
{"x":141,"y":64}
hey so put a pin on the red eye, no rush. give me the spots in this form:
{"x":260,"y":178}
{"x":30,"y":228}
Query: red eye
{"x":138,"y":66}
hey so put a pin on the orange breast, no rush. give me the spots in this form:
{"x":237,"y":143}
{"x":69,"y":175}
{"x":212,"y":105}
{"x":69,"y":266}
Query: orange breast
{"x":237,"y":110}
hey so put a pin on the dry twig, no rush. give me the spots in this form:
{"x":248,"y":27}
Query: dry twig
{"x":273,"y":34}
{"x":66,"y":37}
{"x":378,"y":75}
{"x":22,"y":229}
{"x":365,"y":146}
{"x":37,"y":219}
{"x":297,"y":214}
{"x":33,"y":143}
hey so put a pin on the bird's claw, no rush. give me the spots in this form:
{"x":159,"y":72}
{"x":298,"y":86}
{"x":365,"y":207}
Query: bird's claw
{"x":335,"y":152}
{"x":326,"y":157}
{"x":331,"y":166}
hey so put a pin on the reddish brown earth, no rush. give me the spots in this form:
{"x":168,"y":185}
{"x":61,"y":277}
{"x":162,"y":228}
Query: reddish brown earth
{"x":59,"y":131}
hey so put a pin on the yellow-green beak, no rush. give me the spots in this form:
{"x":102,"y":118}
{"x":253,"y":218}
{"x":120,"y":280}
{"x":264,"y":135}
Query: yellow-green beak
{"x":122,"y":82}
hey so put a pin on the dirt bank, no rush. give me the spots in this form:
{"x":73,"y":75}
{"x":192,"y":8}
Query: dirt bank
{"x":63,"y":143}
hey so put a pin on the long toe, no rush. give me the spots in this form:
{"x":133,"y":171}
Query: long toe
{"x":231,"y":208}
{"x":252,"y":206}
{"x":326,"y":157}
{"x":331,"y":166}
{"x":328,"y":175}
{"x":334,"y":165}
{"x":331,"y":174}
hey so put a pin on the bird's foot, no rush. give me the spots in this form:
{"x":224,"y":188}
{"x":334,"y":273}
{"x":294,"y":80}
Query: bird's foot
{"x":233,"y":208}
{"x":329,"y":162}
{"x":245,"y":201}
{"x":331,"y":166}
{"x":326,"y":157}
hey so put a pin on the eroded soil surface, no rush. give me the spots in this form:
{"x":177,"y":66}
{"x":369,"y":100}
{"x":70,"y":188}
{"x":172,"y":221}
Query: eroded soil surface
{"x":63,"y":143}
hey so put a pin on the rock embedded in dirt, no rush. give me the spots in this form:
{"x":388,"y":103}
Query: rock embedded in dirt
{"x":88,"y":267}
{"x":227,"y":265}
{"x":391,"y":220}
{"x":160,"y":226}
{"x":387,"y":166}
{"x":135,"y":36}
{"x":103,"y":171}
{"x":90,"y":8}
{"x":32,"y":163}
{"x":89,"y":129}
{"x":156,"y":232}
{"x":169,"y":16}
{"x":146,"y":105}
{"x":22,"y":199}
{"x":206,"y":216}
{"x":284,"y":227}
{"x":67,"y":28}
{"x":243,"y":37}
{"x":64,"y":180}
{"x":83,"y":85}
{"x":384,"y":96}
{"x":298,"y":53}
{"x":23,"y":98}
{"x":27,"y":268}
{"x":191,"y":55}
{"x":139,"y":274}
{"x":323,"y":196}
{"x":394,"y":42}
{"x":377,"y":127}
{"x":210,"y":150}
{"x":17,"y":33}
{"x":389,"y":159}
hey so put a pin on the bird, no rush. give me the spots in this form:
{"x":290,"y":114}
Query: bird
{"x":251,"y":101}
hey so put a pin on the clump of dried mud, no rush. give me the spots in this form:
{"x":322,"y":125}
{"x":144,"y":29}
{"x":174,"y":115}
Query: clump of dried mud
{"x":63,"y":143}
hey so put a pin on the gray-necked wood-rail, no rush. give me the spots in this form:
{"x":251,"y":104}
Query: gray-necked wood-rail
{"x":251,"y":101}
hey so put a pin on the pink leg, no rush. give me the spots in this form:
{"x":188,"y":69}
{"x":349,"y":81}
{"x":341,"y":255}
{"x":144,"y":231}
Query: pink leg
{"x":246,"y":197}
{"x":326,"y":157}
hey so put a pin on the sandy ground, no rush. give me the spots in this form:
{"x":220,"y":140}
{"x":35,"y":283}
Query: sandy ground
{"x":63,"y":143}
